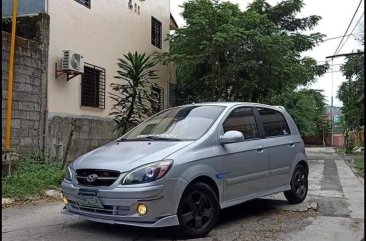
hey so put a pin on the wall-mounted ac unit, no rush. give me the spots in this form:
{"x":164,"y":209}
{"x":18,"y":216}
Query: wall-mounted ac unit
{"x":72,"y":61}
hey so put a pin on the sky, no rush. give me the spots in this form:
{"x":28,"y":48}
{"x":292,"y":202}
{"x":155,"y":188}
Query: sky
{"x":336,"y":16}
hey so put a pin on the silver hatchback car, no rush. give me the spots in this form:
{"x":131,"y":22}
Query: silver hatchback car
{"x":183,"y":165}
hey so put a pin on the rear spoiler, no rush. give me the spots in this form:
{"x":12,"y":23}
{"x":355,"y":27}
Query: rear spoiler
{"x":280,"y":106}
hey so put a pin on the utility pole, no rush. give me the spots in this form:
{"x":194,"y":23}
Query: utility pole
{"x":331,"y":100}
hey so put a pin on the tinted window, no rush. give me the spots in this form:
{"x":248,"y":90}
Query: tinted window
{"x":274,"y":123}
{"x":284,"y":125}
{"x":242,"y":119}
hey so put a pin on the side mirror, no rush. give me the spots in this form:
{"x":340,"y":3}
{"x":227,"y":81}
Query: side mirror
{"x":231,"y":137}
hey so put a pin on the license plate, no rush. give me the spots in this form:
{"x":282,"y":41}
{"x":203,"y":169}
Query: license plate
{"x":89,"y":201}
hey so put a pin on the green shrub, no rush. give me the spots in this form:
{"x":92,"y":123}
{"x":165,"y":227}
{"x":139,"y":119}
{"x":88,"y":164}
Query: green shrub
{"x":360,"y":164}
{"x":34,"y":174}
{"x":350,"y":146}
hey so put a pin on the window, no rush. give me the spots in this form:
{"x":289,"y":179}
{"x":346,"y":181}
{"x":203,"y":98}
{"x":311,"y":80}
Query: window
{"x":86,"y":3}
{"x":242,"y":119}
{"x":93,"y":86}
{"x":160,"y":96}
{"x":171,"y":94}
{"x":274,"y":123}
{"x":156,"y":34}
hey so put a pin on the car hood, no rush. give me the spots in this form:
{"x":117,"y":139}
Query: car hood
{"x":126,"y":155}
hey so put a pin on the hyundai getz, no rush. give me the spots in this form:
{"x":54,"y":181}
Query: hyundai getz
{"x":183,"y":165}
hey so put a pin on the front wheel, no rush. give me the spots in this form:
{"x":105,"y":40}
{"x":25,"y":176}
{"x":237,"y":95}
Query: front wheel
{"x":299,"y":186}
{"x":198,"y":211}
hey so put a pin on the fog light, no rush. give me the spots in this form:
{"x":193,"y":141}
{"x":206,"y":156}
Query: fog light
{"x":65,"y":201}
{"x":142,"y":209}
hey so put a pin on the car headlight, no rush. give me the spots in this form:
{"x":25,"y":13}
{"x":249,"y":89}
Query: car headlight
{"x":148,"y":173}
{"x":68,"y":175}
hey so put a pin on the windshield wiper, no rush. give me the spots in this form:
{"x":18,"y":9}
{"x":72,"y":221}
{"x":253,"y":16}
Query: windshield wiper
{"x":162,"y":138}
{"x":149,"y":138}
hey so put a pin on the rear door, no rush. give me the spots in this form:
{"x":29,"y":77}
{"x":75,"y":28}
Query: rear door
{"x":279,"y":144}
{"x":245,"y":163}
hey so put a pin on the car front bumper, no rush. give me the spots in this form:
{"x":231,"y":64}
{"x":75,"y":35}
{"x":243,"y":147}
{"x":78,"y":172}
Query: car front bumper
{"x":120,"y":203}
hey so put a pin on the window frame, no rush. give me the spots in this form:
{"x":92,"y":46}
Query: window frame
{"x":255,"y":120}
{"x":83,"y":2}
{"x":152,"y":40}
{"x":101,"y":87}
{"x":263,"y":134}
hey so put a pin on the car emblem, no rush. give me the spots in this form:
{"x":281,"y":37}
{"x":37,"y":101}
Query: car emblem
{"x":92,"y":178}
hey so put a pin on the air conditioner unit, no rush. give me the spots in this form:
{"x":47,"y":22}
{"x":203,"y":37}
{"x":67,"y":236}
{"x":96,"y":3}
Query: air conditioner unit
{"x":72,"y":61}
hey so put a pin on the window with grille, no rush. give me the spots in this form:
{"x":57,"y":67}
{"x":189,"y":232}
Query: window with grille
{"x":160,"y":96}
{"x":156,"y":33}
{"x":171,"y":95}
{"x":86,"y":3}
{"x":93,"y":86}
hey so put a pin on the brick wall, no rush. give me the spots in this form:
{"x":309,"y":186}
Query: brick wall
{"x":27,"y":95}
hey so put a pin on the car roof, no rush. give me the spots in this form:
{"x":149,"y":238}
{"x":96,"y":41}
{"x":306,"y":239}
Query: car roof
{"x":232,"y":104}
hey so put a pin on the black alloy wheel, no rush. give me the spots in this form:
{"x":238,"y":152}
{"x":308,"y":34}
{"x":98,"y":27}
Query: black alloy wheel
{"x":299,"y":186}
{"x":198,"y":211}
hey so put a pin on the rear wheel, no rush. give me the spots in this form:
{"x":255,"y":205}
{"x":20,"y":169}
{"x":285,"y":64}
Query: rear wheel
{"x":198,"y":211}
{"x":299,"y":185}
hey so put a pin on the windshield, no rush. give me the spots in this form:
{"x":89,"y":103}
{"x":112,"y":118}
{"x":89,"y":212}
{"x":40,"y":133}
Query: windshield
{"x":180,"y":123}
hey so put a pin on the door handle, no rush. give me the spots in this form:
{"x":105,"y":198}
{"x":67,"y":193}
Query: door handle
{"x":260,"y":148}
{"x":292,"y":145}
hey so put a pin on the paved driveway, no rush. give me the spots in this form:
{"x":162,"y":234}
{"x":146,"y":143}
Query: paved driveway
{"x":338,"y":193}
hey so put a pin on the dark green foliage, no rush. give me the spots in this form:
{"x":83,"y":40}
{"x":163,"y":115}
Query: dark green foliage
{"x":350,"y":92}
{"x":231,"y":55}
{"x":35,"y":173}
{"x":135,"y":98}
{"x":307,"y":108}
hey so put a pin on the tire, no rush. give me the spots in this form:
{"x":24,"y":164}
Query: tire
{"x":299,"y":185}
{"x":198,"y":211}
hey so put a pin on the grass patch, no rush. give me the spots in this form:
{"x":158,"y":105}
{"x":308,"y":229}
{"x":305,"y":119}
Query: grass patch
{"x":33,"y":176}
{"x":360,"y":164}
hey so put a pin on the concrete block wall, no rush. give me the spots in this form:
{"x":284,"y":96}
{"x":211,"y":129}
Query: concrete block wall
{"x":27,"y":94}
{"x":88,"y":134}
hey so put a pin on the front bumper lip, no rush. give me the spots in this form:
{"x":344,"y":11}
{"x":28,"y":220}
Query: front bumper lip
{"x":163,"y":222}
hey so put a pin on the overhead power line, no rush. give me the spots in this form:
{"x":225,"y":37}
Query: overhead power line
{"x":351,"y":32}
{"x":332,"y":38}
{"x":349,"y":25}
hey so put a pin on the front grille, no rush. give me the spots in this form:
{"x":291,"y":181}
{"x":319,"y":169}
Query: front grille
{"x":96,"y":177}
{"x":107,"y":209}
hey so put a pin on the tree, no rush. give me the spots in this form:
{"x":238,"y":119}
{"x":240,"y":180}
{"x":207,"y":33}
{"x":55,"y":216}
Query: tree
{"x":351,"y":93}
{"x":307,"y":108}
{"x":231,"y":55}
{"x":136,"y":98}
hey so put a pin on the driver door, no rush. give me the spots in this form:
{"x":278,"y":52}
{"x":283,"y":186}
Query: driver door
{"x":245,"y":163}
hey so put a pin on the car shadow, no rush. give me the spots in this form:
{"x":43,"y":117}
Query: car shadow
{"x":232,"y":215}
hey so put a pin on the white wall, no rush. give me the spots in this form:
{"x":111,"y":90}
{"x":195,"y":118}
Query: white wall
{"x":102,"y":34}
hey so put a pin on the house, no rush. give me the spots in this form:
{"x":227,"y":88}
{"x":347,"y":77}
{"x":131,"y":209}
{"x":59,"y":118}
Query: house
{"x":77,"y":107}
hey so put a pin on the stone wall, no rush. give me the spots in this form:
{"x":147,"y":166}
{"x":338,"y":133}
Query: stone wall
{"x":88,"y":133}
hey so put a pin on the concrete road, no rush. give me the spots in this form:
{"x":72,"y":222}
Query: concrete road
{"x":339,"y":195}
